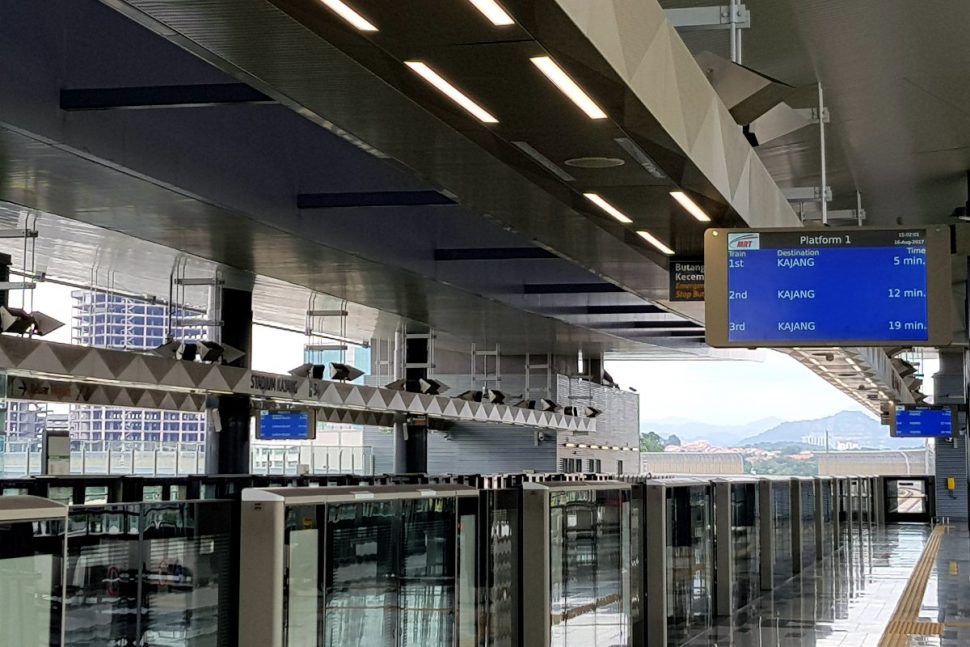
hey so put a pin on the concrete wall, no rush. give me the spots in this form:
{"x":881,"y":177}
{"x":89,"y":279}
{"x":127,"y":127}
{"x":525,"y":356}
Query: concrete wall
{"x":908,"y":462}
{"x":691,"y":463}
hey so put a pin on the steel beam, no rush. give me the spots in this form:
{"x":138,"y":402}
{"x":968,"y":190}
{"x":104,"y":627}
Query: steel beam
{"x":160,"y":96}
{"x":707,"y":18}
{"x":372,"y":199}
{"x":806,"y":193}
{"x":492,"y":254}
{"x":570,"y":288}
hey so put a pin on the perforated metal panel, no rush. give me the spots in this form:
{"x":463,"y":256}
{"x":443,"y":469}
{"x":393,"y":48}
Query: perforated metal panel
{"x":951,"y":461}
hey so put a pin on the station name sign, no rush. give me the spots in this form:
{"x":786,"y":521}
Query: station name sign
{"x":275,"y":385}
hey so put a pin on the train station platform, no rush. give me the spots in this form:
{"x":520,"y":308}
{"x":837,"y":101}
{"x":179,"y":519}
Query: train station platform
{"x":515,"y":560}
{"x":902,"y":585}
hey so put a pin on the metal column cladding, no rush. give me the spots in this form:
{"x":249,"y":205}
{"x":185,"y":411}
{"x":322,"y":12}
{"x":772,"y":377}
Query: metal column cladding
{"x":723,"y":548}
{"x":232,"y":442}
{"x":767,"y":529}
{"x":655,"y":559}
{"x":796,"y":526}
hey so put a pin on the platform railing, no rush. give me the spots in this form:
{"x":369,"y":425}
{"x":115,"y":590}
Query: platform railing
{"x":291,"y":460}
{"x":148,"y":458}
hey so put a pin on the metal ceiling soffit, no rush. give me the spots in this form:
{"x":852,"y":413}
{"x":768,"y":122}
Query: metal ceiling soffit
{"x":864,"y":374}
{"x":644,"y":49}
{"x":124,"y":370}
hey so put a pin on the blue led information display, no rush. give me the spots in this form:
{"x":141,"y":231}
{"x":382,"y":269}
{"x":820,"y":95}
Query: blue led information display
{"x":923,"y":422}
{"x":284,"y":425}
{"x":813,"y":286}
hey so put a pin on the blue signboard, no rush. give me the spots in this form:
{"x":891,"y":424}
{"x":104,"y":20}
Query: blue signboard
{"x":923,"y":421}
{"x":284,"y":425}
{"x":827,"y":287}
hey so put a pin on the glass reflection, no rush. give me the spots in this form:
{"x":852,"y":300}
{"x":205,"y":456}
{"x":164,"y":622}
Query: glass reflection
{"x":503,"y":568}
{"x":388,"y":569}
{"x":809,"y":549}
{"x":781,"y":516}
{"x":150,"y":574}
{"x":690,"y":562}
{"x":31,"y":563}
{"x":745,"y":542}
{"x":589,"y":554}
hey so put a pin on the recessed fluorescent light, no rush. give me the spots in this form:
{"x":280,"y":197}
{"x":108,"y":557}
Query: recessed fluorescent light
{"x":653,"y":240}
{"x":690,"y":206}
{"x":341,"y":9}
{"x":491,"y":10}
{"x":451,"y":91}
{"x":607,"y":207}
{"x":568,"y":87}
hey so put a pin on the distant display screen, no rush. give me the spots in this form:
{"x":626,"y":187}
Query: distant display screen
{"x":919,"y":421}
{"x":284,"y":425}
{"x":826,"y":287}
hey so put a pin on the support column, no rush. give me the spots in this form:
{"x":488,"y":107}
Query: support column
{"x":227,"y":450}
{"x":414,"y":438}
{"x":950,"y":384}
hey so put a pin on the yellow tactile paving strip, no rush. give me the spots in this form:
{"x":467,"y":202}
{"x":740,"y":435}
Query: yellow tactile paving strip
{"x":905,"y":620}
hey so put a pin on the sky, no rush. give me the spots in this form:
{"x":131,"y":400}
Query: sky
{"x":710,"y":392}
{"x":730,"y":392}
{"x":274,"y":351}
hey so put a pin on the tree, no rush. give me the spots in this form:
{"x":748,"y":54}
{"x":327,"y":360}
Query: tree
{"x":674,"y":440}
{"x":651,"y":442}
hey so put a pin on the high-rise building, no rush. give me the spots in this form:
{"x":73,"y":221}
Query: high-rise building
{"x":26,"y":420}
{"x":113,"y":321}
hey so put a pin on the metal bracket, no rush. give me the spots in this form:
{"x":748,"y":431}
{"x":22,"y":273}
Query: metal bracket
{"x":326,"y":313}
{"x":707,"y":18}
{"x":811,"y":114}
{"x":18,"y":233}
{"x":806,"y":193}
{"x":838,"y":214}
{"x":193,"y":323}
{"x":199,"y":281}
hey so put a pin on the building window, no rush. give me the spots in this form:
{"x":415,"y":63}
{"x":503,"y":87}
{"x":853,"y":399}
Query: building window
{"x":570,"y":465}
{"x":594,"y":465}
{"x":619,"y":467}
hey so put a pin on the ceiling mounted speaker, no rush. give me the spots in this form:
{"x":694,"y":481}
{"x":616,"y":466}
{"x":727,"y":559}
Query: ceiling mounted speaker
{"x":168,"y":349}
{"x":230,"y":354}
{"x":44,"y":324}
{"x":544,"y":404}
{"x":429,"y":386}
{"x":209,"y":352}
{"x":310,"y":370}
{"x":344,"y":372}
{"x":187,"y":351}
{"x":15,"y":320}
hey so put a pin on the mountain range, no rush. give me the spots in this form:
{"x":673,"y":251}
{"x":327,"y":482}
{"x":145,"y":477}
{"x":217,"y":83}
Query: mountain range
{"x":846,"y":425}
{"x":718,"y":435}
